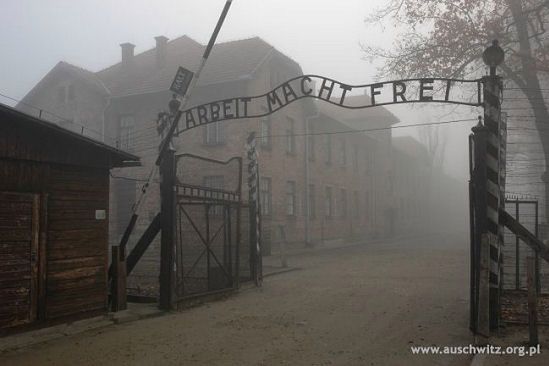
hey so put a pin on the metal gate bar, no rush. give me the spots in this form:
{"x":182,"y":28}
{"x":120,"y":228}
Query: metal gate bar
{"x":517,"y":252}
{"x":205,"y":263}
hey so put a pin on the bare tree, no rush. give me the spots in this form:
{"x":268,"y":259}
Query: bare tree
{"x":447,"y":38}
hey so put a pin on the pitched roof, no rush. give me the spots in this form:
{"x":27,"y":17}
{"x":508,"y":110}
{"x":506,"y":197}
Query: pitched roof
{"x":359,"y":119}
{"x":87,"y":76}
{"x":31,"y":121}
{"x":229,"y":61}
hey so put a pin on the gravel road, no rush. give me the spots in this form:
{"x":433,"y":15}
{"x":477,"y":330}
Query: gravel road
{"x":360,"y":305}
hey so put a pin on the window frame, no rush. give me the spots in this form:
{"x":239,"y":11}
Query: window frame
{"x":343,"y":152}
{"x":311,"y":142}
{"x":219,"y":135}
{"x":215,"y":182}
{"x":328,"y":149}
{"x":266,"y":195}
{"x":328,"y":202}
{"x":343,"y":202}
{"x":291,"y":198}
{"x":311,"y":210}
{"x":266,"y":139}
{"x":126,"y":132}
{"x":290,"y":136}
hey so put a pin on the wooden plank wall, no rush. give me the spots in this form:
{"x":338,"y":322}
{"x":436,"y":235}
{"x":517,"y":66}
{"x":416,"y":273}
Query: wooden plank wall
{"x":76,"y":243}
{"x":18,"y":271}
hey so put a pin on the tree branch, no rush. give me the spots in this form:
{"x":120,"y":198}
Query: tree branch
{"x":513,"y":76}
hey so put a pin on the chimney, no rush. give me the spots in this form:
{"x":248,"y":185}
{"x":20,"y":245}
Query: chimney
{"x":161,"y":50}
{"x":127,"y":53}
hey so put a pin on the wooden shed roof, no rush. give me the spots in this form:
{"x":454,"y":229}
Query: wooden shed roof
{"x":47,"y":131}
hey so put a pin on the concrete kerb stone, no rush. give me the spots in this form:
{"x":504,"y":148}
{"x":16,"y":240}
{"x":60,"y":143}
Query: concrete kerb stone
{"x":18,"y":341}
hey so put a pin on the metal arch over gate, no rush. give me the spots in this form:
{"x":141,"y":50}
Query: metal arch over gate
{"x":487,"y":149}
{"x":422,"y":90}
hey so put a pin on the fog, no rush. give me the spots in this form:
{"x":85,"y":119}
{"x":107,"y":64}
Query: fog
{"x":287,"y":206}
{"x":323,"y":36}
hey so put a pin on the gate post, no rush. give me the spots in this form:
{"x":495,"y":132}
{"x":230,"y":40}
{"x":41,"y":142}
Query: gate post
{"x":495,"y":175}
{"x":118,"y":284}
{"x":255,"y":223}
{"x":479,"y":246}
{"x":167,"y":226}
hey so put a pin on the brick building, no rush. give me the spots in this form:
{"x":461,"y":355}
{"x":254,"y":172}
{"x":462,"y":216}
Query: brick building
{"x":336,"y":174}
{"x":411,"y":177}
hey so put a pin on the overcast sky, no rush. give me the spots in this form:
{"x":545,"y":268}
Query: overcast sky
{"x":324,"y":36}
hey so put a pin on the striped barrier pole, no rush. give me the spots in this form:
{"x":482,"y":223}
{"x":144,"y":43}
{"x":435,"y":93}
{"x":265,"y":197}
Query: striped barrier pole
{"x":255,"y":222}
{"x":495,"y":194}
{"x":488,"y":198}
{"x":495,"y":174}
{"x":502,"y":179}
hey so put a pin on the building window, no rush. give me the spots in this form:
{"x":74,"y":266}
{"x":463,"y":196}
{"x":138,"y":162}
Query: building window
{"x":126,"y":132}
{"x":343,"y":152}
{"x":265,"y":132}
{"x":215,"y":182}
{"x":214,"y":134}
{"x":312,"y":204}
{"x":328,"y":148}
{"x":291,"y":199}
{"x":343,"y":202}
{"x":328,"y":208}
{"x":265,"y":194}
{"x":311,"y":143}
{"x":356,"y":204}
{"x":290,"y":136}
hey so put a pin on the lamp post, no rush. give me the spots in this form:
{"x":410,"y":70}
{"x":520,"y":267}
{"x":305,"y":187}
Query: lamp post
{"x":493,"y":56}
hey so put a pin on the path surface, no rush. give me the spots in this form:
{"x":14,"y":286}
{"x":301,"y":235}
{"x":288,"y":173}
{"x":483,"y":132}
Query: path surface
{"x":363,"y":305}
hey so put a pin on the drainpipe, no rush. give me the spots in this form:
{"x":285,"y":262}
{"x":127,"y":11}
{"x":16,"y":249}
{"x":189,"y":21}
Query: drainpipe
{"x":307,"y":179}
{"x":107,"y":105}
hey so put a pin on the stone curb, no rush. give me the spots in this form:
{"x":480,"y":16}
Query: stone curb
{"x":18,"y":341}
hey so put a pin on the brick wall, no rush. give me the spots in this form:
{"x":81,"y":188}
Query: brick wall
{"x":360,"y":172}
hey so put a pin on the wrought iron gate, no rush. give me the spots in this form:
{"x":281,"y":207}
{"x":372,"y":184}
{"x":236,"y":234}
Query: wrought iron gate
{"x":208,"y":225}
{"x":515,"y":251}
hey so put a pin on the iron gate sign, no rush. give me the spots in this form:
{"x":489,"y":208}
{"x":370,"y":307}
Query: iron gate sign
{"x":441,"y":90}
{"x":181,"y":81}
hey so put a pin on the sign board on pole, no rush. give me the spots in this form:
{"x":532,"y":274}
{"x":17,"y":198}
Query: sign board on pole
{"x":181,"y":81}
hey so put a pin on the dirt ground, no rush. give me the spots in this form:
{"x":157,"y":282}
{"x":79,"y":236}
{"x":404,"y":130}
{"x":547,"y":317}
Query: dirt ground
{"x":514,"y":335}
{"x":361,"y":305}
